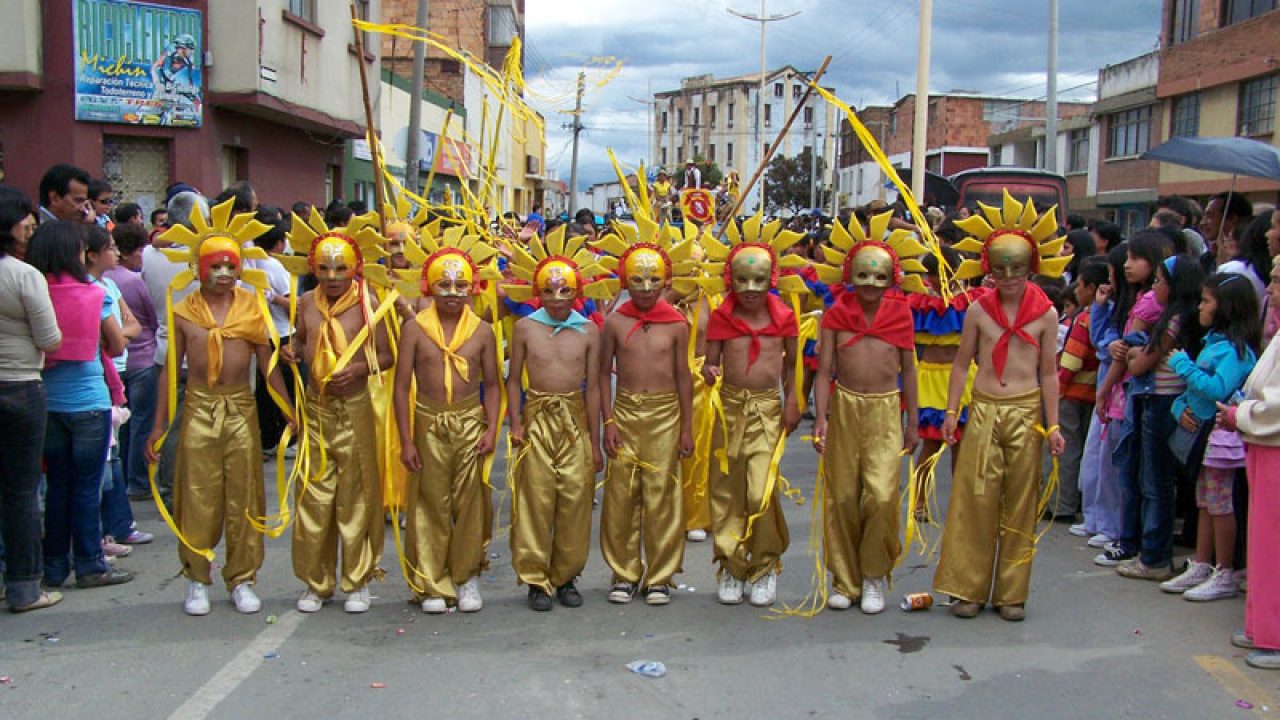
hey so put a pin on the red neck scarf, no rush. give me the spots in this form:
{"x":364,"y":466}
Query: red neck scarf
{"x":724,"y":325}
{"x":1034,"y":304}
{"x":660,"y":313}
{"x":892,"y":323}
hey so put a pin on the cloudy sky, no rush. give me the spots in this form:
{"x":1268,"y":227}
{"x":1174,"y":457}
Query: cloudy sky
{"x":992,"y":46}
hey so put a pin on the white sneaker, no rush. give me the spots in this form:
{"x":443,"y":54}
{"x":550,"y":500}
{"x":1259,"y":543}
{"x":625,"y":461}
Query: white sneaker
{"x":244,"y":599}
{"x":621,"y":593}
{"x":836,"y":601}
{"x":1100,"y":541}
{"x":765,"y":590}
{"x":358,"y":601}
{"x":1079,"y":530}
{"x":698,"y":535}
{"x":1222,"y":584}
{"x":873,"y":595}
{"x":730,"y":592}
{"x":469,"y":600}
{"x":434,"y":606}
{"x":197,"y":602}
{"x":1196,"y":573}
{"x":310,"y":602}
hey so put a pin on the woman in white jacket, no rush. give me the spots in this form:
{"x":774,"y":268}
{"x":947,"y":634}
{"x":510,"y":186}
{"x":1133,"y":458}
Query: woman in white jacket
{"x":1257,"y":417}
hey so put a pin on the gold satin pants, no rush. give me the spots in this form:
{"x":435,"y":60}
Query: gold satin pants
{"x":395,"y":475}
{"x":342,"y":507}
{"x":862,"y":464}
{"x":754,"y":423}
{"x":642,"y":494}
{"x":552,"y":486}
{"x":694,"y":469}
{"x":991,"y":521}
{"x":449,"y":508}
{"x":218,"y":481}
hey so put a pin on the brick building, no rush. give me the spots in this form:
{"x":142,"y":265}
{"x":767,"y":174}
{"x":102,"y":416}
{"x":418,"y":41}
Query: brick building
{"x":1218,"y":76}
{"x":78,"y":84}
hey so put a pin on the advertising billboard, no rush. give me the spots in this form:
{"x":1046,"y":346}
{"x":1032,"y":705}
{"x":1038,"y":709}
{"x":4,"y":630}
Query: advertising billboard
{"x":138,"y":63}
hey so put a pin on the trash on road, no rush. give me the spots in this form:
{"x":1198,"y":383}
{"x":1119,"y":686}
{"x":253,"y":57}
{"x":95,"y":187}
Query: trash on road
{"x":399,"y":631}
{"x":271,"y":619}
{"x":377,"y":685}
{"x":1244,"y":704}
{"x":647,"y":668}
{"x":271,"y":655}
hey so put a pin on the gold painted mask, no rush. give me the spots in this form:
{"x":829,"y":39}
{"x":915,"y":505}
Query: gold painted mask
{"x":219,"y":258}
{"x":1010,"y":255}
{"x":751,"y":270}
{"x":556,"y":280}
{"x":645,"y":270}
{"x":334,"y":259}
{"x":871,"y":266}
{"x":397,"y":234}
{"x":449,"y":275}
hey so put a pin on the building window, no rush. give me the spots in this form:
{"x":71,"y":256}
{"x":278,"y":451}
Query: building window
{"x":795,"y":92}
{"x":893,"y":122}
{"x":1257,"y":106}
{"x":711,"y":153}
{"x":712,"y":114}
{"x":697,"y":116}
{"x":503,"y":28}
{"x":664,"y":121}
{"x":729,"y":122}
{"x":1129,"y":132}
{"x":305,"y":9}
{"x":679,"y":120}
{"x":858,"y":187}
{"x":1078,"y":142}
{"x":664,"y":157}
{"x":728,"y":151}
{"x":1186,"y":116}
{"x":808,"y":115}
{"x":1182,"y":23}
{"x":768,"y":115}
{"x":777,"y":90}
{"x":1238,"y":11}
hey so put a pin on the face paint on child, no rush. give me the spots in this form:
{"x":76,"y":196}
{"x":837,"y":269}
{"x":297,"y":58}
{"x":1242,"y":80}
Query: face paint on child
{"x":645,"y":271}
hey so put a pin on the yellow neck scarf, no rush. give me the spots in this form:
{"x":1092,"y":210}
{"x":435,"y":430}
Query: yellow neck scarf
{"x":244,"y":321}
{"x":429,"y":321}
{"x":332,"y":340}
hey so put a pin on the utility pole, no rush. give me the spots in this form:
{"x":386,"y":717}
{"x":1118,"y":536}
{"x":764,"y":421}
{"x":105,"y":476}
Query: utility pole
{"x":576,"y":126}
{"x":920,"y":127}
{"x":1051,"y":95}
{"x":813,"y":169}
{"x":762,"y":18}
{"x":415,"y":106}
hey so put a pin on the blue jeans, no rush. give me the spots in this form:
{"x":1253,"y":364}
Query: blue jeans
{"x":1151,"y":474}
{"x":23,"y":417}
{"x":117,"y":516}
{"x":140,"y":388}
{"x":75,"y":449}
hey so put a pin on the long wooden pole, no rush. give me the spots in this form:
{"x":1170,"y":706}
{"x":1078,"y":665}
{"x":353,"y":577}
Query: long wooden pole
{"x":375,"y":147}
{"x":773,"y":146}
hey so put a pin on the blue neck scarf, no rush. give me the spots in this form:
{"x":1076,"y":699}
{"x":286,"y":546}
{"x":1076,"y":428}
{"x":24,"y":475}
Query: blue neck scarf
{"x":575,"y":321}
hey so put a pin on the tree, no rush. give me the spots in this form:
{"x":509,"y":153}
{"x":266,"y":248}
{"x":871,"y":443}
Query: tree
{"x":788,"y":180}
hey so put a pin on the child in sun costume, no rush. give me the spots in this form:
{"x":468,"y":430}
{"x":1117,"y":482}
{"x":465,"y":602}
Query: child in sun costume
{"x":989,"y":540}
{"x":752,"y":338}
{"x":557,"y":431}
{"x":648,"y":425}
{"x":344,"y":343}
{"x":448,"y":443}
{"x":867,"y":349}
{"x":218,"y":480}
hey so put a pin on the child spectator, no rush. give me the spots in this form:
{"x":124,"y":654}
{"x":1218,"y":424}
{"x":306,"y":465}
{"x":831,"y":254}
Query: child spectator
{"x":1078,"y":383}
{"x":1229,"y":308}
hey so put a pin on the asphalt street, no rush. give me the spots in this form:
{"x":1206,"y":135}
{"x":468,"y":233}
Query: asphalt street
{"x":1094,"y":645}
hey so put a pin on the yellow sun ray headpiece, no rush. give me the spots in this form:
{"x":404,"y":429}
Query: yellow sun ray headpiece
{"x":678,"y":259}
{"x":851,"y":245}
{"x":222,"y":226}
{"x":755,"y":233}
{"x":359,"y":240}
{"x":436,"y":246}
{"x":526,"y":265}
{"x":1008,"y":229}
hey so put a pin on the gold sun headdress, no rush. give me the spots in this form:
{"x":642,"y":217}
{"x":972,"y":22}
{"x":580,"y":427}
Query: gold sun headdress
{"x":434,"y":251}
{"x":359,"y":244}
{"x":856,"y":257}
{"x":758,"y":239}
{"x":225,"y":235}
{"x":647,"y":247}
{"x":401,"y":223}
{"x":556,"y":255}
{"x":1010,"y":237}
